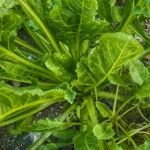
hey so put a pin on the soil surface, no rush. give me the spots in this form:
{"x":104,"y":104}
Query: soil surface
{"x":11,"y":142}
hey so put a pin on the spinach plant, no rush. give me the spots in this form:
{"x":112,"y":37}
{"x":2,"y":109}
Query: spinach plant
{"x":80,"y":52}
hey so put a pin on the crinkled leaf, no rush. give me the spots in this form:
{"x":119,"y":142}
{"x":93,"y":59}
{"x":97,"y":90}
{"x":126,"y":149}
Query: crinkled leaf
{"x":74,"y":21}
{"x":61,"y":90}
{"x":15,"y":100}
{"x":114,"y":50}
{"x":112,"y":2}
{"x":138,"y":71}
{"x":45,"y":125}
{"x":103,"y":131}
{"x":103,"y":109}
{"x":85,"y":140}
{"x":69,"y":95}
{"x":60,"y":65}
{"x":145,"y":146}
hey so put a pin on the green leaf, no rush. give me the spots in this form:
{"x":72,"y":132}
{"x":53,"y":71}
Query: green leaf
{"x":139,"y":30}
{"x":127,"y":15}
{"x":144,"y":90}
{"x":103,"y":7}
{"x":117,"y":13}
{"x":64,"y":134}
{"x":74,"y":21}
{"x":112,"y":2}
{"x":69,"y":95}
{"x":60,"y":65}
{"x":144,"y":146}
{"x":103,"y":131}
{"x":117,"y":80}
{"x":138,"y":71}
{"x":61,"y":90}
{"x":143,"y":7}
{"x":45,"y":125}
{"x":7,"y":3}
{"x":114,"y":50}
{"x":16,"y":69}
{"x":7,"y":76}
{"x":41,"y":7}
{"x":103,"y":109}
{"x":85,"y":141}
{"x":10,"y":20}
{"x":15,"y":100}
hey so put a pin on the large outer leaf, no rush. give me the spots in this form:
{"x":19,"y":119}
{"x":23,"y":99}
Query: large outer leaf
{"x":41,"y":7}
{"x":14,"y":100}
{"x":114,"y":50}
{"x":74,"y":20}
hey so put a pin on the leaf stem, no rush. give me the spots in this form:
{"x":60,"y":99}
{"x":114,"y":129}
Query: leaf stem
{"x":42,"y":139}
{"x":126,"y":134}
{"x":93,"y":117}
{"x":129,"y":19}
{"x":108,"y":95}
{"x":47,"y":32}
{"x":140,"y":112}
{"x":135,"y":132}
{"x":34,"y":37}
{"x":115,"y":102}
{"x":24,"y":44}
{"x":37,"y":144}
{"x":125,"y":103}
{"x":145,"y":53}
{"x":68,"y":111}
{"x":91,"y":109}
{"x":120,"y":116}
